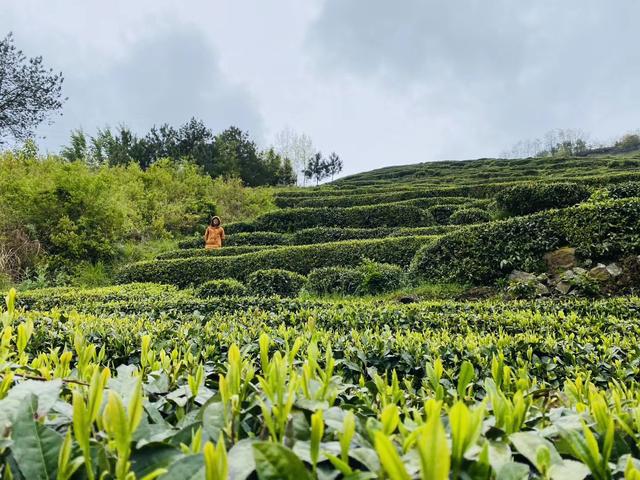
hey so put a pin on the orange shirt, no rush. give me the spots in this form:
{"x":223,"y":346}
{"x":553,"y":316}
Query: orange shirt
{"x":213,"y":237}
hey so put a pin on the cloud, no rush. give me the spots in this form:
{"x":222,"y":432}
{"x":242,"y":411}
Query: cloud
{"x":164,"y":75}
{"x":509,"y":68}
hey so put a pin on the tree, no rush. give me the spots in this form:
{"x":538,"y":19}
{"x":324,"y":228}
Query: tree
{"x":316,"y":168}
{"x":29,"y":93}
{"x":334,"y":165}
{"x":278,"y":169}
{"x":297,"y":147}
{"x":78,"y":149}
{"x":236,"y":155}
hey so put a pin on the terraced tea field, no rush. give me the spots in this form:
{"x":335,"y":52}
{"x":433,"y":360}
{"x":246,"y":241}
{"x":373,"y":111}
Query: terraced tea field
{"x":369,"y":328}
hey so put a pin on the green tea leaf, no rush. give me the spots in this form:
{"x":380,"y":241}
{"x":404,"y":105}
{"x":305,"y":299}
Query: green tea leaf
{"x":35,"y":447}
{"x":277,"y":462}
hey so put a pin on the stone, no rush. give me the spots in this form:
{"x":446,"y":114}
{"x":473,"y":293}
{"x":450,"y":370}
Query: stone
{"x":599,"y":273}
{"x":523,"y":277}
{"x":614,"y":270}
{"x":541,"y":289}
{"x":563,"y":287}
{"x":560,"y":260}
{"x":580,"y":271}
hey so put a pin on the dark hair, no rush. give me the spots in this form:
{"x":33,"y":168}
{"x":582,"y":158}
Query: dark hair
{"x":215,"y":217}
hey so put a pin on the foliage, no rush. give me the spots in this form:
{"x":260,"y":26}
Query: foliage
{"x":202,"y":252}
{"x":533,"y":197}
{"x":155,"y":401}
{"x":74,"y":213}
{"x":335,"y":280}
{"x":221,"y":288}
{"x":467,"y":216}
{"x":379,"y":277}
{"x":483,"y":253}
{"x":382,"y":215}
{"x":300,"y":259}
{"x":29,"y":92}
{"x":230,"y":153}
{"x":624,"y":190}
{"x":275,"y":281}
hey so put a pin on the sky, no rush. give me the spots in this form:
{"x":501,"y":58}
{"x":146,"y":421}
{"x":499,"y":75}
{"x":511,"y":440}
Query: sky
{"x":379,"y":82}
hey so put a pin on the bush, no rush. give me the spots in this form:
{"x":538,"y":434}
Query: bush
{"x":221,"y":288}
{"x":215,"y":252}
{"x":442,"y":213}
{"x":534,"y":197}
{"x":380,"y":277}
{"x":301,"y":259}
{"x":335,"y":280}
{"x":310,"y":236}
{"x":482,"y":253}
{"x":257,"y":238}
{"x":624,"y":190}
{"x":467,"y":216}
{"x":383,"y":215}
{"x":275,"y":281}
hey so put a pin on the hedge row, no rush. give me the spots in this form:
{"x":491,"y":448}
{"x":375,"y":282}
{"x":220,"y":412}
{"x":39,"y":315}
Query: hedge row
{"x":482,"y":253}
{"x":624,"y":190}
{"x":308,"y":236}
{"x":403,"y":191}
{"x":534,"y":197}
{"x":382,"y":215}
{"x":240,"y":240}
{"x":432,"y":197}
{"x":214,"y":252}
{"x":299,"y":259}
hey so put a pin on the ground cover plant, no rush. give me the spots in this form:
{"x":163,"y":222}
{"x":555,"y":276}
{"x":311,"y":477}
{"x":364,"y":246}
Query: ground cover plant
{"x":178,"y":398}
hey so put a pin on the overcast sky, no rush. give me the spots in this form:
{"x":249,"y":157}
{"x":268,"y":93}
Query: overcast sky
{"x":380,"y":82}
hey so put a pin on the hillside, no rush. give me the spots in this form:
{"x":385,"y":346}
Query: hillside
{"x":445,"y":320}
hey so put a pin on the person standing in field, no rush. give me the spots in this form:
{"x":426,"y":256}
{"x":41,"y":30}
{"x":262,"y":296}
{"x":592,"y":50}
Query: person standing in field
{"x":214,"y":236}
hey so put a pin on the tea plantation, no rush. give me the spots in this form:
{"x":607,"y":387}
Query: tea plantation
{"x":449,"y":320}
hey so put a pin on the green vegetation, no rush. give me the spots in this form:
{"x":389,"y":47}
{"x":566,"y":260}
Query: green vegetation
{"x":221,"y":288}
{"x":368,"y":328}
{"x":61,"y":218}
{"x":275,"y":281}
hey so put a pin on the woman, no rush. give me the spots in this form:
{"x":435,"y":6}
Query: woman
{"x":214,"y":235}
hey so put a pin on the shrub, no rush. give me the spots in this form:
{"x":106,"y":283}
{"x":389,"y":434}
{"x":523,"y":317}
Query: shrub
{"x":466,"y":216}
{"x":301,"y":259}
{"x":215,"y":252}
{"x":482,"y":253}
{"x":379,"y":277}
{"x":275,"y":281}
{"x":221,"y":288}
{"x":442,"y":213}
{"x":257,"y":238}
{"x":624,"y":190}
{"x":383,"y":215}
{"x":534,"y":197}
{"x":331,"y":280}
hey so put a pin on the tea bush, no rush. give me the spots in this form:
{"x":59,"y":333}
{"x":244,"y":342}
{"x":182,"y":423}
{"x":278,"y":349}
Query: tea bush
{"x":214,"y":252}
{"x":180,"y":395}
{"x":275,"y":281}
{"x":467,"y":216}
{"x":534,"y":197}
{"x":300,"y":259}
{"x":383,"y":215}
{"x":624,"y":190}
{"x":221,"y":288}
{"x":335,"y":280}
{"x":480,"y":254}
{"x":380,"y":277}
{"x":442,"y":213}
